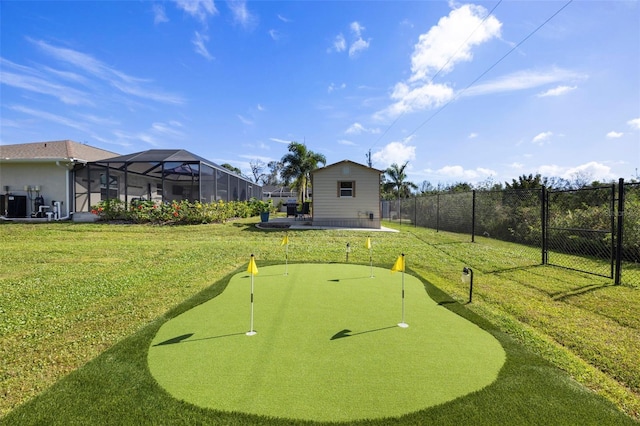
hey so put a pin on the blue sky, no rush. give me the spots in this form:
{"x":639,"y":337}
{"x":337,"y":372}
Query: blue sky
{"x":465,"y":92}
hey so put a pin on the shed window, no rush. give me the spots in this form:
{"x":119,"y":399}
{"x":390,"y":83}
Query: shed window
{"x":346,"y":189}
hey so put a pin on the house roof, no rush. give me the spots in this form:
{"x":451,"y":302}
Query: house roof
{"x":345,"y":162}
{"x":54,"y":150}
{"x":157,"y":155}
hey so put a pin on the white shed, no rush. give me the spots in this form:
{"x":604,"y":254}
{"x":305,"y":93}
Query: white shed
{"x":346,"y":194}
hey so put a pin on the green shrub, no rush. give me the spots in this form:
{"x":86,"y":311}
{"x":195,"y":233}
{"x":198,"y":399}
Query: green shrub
{"x":177,"y":212}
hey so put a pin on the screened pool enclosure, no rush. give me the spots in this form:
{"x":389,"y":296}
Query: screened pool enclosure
{"x":160,"y":175}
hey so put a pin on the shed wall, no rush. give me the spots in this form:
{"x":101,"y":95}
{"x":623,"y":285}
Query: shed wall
{"x":330,"y":209}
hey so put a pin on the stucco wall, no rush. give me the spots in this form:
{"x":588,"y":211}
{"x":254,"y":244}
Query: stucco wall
{"x":51,"y":179}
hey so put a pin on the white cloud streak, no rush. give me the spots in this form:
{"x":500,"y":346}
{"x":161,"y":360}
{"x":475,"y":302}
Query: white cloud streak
{"x":557,"y":91}
{"x":159,"y":14}
{"x":199,"y":9}
{"x":357,"y":128}
{"x":199,"y":42}
{"x":542,"y":138}
{"x":282,"y":141}
{"x":522,"y":80}
{"x":96,"y":69}
{"x":241,"y":14}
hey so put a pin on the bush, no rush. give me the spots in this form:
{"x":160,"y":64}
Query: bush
{"x":177,"y":212}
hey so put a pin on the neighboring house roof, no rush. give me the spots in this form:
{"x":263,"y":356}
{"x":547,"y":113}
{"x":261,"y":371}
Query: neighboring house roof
{"x":346,"y":162}
{"x":53,"y":150}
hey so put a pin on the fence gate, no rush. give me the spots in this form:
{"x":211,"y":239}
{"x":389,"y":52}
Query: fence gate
{"x":580,"y":229}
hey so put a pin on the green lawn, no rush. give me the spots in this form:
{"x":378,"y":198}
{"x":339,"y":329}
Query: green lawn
{"x":74,"y":293}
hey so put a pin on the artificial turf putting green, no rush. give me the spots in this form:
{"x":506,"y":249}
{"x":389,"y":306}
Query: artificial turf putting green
{"x":327,"y":347}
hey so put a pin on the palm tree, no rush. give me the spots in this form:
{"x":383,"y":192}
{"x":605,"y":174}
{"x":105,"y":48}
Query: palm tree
{"x":396,"y":181}
{"x":298,"y":165}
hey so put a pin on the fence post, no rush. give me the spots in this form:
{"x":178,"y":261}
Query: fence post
{"x":620,"y":231}
{"x":544,"y":206}
{"x":438,"y":212}
{"x":473,"y":216}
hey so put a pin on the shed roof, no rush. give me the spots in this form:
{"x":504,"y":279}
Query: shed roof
{"x":349,"y":162}
{"x":54,"y":150}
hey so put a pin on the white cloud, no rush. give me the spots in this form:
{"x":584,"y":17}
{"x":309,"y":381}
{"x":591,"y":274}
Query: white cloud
{"x":522,"y":80}
{"x":410,"y":99}
{"x":358,"y":46}
{"x":614,"y":135}
{"x":65,"y":94}
{"x":261,"y":108}
{"x":356,"y":28}
{"x":199,"y":41}
{"x":199,"y":9}
{"x":339,"y":44}
{"x":557,"y":91}
{"x":284,"y":19}
{"x":170,"y":129}
{"x":449,"y":42}
{"x":542,"y":138}
{"x":241,"y":14}
{"x":459,"y":172}
{"x":245,"y":120}
{"x":439,"y":50}
{"x":593,"y":169}
{"x":283,"y":141}
{"x":346,"y":142}
{"x":95,"y":69}
{"x":159,"y":14}
{"x":516,"y":166}
{"x":274,"y":34}
{"x":394,"y":152}
{"x":635,"y":123}
{"x":472,"y":135}
{"x":333,"y":87}
{"x":357,"y":128}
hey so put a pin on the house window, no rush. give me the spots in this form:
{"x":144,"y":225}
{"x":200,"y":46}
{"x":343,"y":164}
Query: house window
{"x":112,"y":187}
{"x":346,"y":189}
{"x":159,"y":189}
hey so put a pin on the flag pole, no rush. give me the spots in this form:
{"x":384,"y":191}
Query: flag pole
{"x":286,"y":254}
{"x":252,"y":272}
{"x":370,"y":256}
{"x":403,"y":324}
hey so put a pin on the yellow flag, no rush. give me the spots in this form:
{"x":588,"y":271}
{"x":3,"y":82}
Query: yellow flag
{"x":285,"y":240}
{"x":399,"y":265}
{"x":368,"y":243}
{"x":252,"y":269}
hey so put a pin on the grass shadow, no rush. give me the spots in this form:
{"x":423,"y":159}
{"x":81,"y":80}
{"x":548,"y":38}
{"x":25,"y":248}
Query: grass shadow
{"x":348,"y":333}
{"x":184,"y":337}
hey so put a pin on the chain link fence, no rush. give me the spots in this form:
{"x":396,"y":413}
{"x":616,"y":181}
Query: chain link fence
{"x":630,"y":249}
{"x":575,"y":229}
{"x":580,"y":230}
